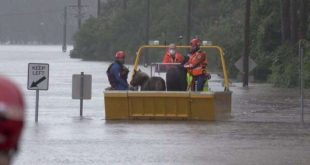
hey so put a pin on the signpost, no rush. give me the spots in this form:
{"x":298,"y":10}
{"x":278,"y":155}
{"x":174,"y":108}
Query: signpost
{"x":38,"y":78}
{"x":81,"y":88}
{"x":301,"y":60}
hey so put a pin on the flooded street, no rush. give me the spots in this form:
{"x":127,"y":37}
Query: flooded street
{"x":264,"y":127}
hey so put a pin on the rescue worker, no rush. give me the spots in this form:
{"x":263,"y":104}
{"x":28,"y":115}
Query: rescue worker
{"x":172,"y":56}
{"x":11,"y":119}
{"x":118,"y":73}
{"x":197,"y":66}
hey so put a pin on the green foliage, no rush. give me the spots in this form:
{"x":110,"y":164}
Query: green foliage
{"x":226,"y":30}
{"x":85,"y":46}
{"x":306,"y":67}
{"x":285,"y":67}
{"x":265,"y":34}
{"x":124,"y":29}
{"x":220,"y":21}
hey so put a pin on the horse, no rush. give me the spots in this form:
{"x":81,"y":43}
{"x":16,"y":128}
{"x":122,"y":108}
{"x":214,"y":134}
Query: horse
{"x":147,"y":84}
{"x":176,"y":78}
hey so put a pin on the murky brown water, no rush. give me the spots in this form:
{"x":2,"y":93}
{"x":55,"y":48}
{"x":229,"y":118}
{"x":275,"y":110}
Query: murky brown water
{"x":264,"y":127}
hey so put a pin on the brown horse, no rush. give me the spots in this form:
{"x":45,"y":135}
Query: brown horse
{"x":147,"y":84}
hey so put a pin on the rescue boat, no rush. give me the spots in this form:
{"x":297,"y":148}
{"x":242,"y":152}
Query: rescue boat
{"x":171,"y":105}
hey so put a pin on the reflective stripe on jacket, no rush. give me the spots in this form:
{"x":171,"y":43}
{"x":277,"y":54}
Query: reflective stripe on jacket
{"x":198,"y":62}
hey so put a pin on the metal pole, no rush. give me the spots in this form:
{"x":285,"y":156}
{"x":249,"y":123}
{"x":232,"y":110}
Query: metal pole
{"x":147,"y":31}
{"x":189,"y":15}
{"x":81,"y":93}
{"x":98,"y":8}
{"x":147,"y":22}
{"x":301,"y":52}
{"x":152,"y":70}
{"x":37,"y":106}
{"x":79,"y":14}
{"x":64,"y":44}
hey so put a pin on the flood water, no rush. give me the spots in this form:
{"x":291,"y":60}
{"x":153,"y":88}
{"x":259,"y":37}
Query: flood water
{"x":264,"y":127}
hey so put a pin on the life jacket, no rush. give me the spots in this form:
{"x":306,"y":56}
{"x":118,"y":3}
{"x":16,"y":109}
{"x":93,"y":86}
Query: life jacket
{"x":191,"y":84}
{"x":123,"y":74}
{"x":178,"y":58}
{"x":199,"y":62}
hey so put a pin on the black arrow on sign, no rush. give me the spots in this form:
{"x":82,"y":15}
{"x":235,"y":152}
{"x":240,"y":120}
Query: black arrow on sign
{"x":34,"y":84}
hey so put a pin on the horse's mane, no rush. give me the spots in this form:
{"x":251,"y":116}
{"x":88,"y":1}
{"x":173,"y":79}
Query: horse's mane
{"x":139,"y":78}
{"x":143,"y":77}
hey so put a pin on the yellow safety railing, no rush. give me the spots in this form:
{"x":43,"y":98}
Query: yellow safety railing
{"x":220,"y":50}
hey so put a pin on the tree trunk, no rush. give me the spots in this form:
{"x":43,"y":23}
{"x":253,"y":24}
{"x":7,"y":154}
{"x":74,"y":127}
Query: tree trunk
{"x":188,"y":23}
{"x":246,"y":43}
{"x":293,"y":22}
{"x":98,"y":8}
{"x":285,"y":20}
{"x":303,"y":15}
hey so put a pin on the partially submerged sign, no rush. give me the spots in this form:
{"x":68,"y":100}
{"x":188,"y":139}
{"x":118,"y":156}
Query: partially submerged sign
{"x":81,"y":86}
{"x":38,"y":76}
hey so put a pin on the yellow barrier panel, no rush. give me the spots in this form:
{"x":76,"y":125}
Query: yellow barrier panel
{"x":150,"y":104}
{"x":207,"y":106}
{"x":202,"y":106}
{"x":222,"y":104}
{"x":116,"y":105}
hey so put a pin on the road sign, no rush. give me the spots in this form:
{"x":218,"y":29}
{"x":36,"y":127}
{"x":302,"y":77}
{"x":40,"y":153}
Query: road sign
{"x":78,"y":87}
{"x":81,"y":88}
{"x":38,"y":76}
{"x":239,"y":64}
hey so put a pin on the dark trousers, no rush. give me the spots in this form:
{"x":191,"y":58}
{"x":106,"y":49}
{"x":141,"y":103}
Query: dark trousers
{"x":198,"y":82}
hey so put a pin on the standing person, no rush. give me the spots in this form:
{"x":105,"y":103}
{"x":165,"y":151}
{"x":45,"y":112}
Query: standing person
{"x":11,"y":119}
{"x":118,"y":73}
{"x":197,"y":66}
{"x":172,"y":55}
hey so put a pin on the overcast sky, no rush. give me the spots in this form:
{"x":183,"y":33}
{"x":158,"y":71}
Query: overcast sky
{"x":39,"y":20}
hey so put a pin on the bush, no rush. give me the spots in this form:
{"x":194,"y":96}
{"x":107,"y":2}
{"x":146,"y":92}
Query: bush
{"x":285,"y":67}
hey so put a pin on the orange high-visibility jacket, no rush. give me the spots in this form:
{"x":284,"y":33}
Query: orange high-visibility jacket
{"x":168,"y":59}
{"x":198,"y":63}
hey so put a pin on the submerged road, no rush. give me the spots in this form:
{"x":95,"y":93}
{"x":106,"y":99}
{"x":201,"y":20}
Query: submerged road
{"x":264,"y":127}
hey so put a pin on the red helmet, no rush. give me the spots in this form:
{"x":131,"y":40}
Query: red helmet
{"x":11,"y":115}
{"x":195,"y":42}
{"x":120,"y":55}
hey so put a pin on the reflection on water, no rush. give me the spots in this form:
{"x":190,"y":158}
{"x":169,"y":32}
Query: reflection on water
{"x":264,"y":128}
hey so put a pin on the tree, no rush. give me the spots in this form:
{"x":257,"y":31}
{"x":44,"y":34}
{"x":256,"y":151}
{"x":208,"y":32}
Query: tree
{"x":271,"y":42}
{"x":246,"y":43}
{"x":285,"y":20}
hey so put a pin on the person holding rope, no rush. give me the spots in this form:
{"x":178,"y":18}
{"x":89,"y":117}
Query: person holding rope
{"x":118,"y":73}
{"x":197,"y":67}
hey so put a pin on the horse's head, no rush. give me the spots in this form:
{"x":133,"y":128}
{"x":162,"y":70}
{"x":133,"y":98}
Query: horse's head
{"x":138,"y":78}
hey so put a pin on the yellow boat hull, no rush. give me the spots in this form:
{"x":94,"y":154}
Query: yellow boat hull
{"x":208,"y":106}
